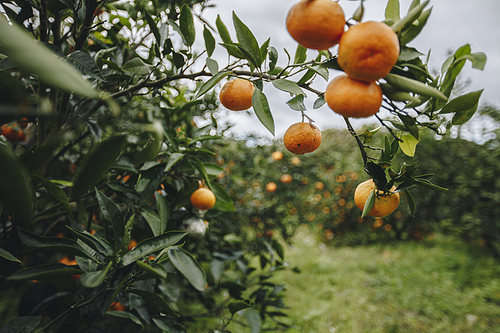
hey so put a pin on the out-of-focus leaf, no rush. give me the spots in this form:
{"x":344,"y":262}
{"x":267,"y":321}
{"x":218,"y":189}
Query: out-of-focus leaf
{"x":60,"y":244}
{"x":154,"y":302}
{"x":238,"y":306}
{"x":25,"y":324}
{"x":253,"y":320}
{"x":162,"y":324}
{"x":262,"y":110}
{"x":96,"y":164}
{"x":34,"y":58}
{"x":188,"y":266}
{"x":45,"y":271}
{"x":136,"y":66}
{"x":14,"y":189}
{"x":8,"y":256}
{"x":411,"y":202}
{"x":85,"y":64}
{"x":152,"y":245}
{"x":126,"y":315}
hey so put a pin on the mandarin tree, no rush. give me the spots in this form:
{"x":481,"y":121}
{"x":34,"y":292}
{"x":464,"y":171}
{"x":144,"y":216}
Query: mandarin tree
{"x":118,"y":142}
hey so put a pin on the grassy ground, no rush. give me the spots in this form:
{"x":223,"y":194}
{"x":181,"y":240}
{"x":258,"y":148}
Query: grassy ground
{"x":439,"y":285}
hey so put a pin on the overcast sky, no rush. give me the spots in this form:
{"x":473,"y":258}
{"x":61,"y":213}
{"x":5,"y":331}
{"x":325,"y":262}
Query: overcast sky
{"x":452,"y":24}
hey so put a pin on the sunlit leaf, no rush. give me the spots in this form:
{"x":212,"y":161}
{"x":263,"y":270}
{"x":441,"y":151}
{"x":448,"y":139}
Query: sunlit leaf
{"x":254,"y":320}
{"x":408,"y":144}
{"x":45,"y":271}
{"x":370,"y":202}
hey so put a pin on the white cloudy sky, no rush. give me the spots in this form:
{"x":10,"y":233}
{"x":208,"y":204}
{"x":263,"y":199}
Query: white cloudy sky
{"x":452,"y":24}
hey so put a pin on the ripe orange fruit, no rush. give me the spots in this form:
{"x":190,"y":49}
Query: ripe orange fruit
{"x":353,"y":98}
{"x":271,"y":187}
{"x":286,"y":178}
{"x":385,"y":204}
{"x":295,"y":160}
{"x":203,"y":199}
{"x":368,"y":51}
{"x":236,"y":95}
{"x":301,"y":138}
{"x":131,"y":244}
{"x":277,"y":156}
{"x":13,"y":132}
{"x":316,"y":24}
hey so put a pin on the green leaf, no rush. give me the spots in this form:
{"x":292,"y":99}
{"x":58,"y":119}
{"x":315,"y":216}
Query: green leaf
{"x":288,"y":86}
{"x":262,"y":110}
{"x":174,"y":158}
{"x":187,"y":25}
{"x":45,"y":272}
{"x":162,"y":324}
{"x":370,"y":202}
{"x":478,"y":60}
{"x":297,"y":103}
{"x":154,"y":302}
{"x":153,"y":26}
{"x":25,"y":324}
{"x":246,"y":39}
{"x":238,"y":306}
{"x":427,"y":184}
{"x":319,"y":102}
{"x":153,"y":220}
{"x":223,"y":33}
{"x":152,"y":245}
{"x":300,"y":54}
{"x":125,"y":315}
{"x":59,"y":244}
{"x":213,"y":66}
{"x":114,"y":223}
{"x":411,"y":202}
{"x":95,"y":279}
{"x":410,"y":124}
{"x":417,"y":87}
{"x":462,"y":103}
{"x":136,"y":66}
{"x":212,"y":169}
{"x":392,"y":11}
{"x":8,"y":256}
{"x":264,"y":49}
{"x":211,"y":83}
{"x":96,"y":164}
{"x":163,"y":208}
{"x":209,"y":41}
{"x":223,"y":202}
{"x":408,"y":35}
{"x":158,"y":271}
{"x":91,"y":241}
{"x":216,"y":268}
{"x":15,"y":193}
{"x":56,"y":192}
{"x":408,"y":144}
{"x":253,"y":320}
{"x":85,"y":64}
{"x":462,"y":117}
{"x":412,"y":15}
{"x":188,"y":266}
{"x":35,"y":58}
{"x":273,"y":57}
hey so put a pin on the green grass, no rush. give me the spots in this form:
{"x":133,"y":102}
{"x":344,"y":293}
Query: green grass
{"x":441,"y":285}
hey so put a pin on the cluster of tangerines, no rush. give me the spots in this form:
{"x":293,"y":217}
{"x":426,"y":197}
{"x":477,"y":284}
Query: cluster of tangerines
{"x":366,"y":52}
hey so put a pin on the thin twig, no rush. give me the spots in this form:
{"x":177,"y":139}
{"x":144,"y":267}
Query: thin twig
{"x":364,"y":155}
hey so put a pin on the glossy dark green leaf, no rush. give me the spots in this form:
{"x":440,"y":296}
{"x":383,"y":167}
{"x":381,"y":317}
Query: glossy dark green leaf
{"x":163,"y":208}
{"x":35,"y":58}
{"x":254,"y":320}
{"x":213,"y":169}
{"x":319,"y":102}
{"x":152,"y":26}
{"x":162,"y":324}
{"x":152,"y":219}
{"x":223,"y":33}
{"x":56,"y":192}
{"x":95,"y":279}
{"x":185,"y":263}
{"x":262,"y":110}
{"x":186,"y":23}
{"x":125,"y":315}
{"x":174,"y":158}
{"x":211,"y":83}
{"x":15,"y":193}
{"x":300,"y":54}
{"x":273,"y":57}
{"x":246,"y":39}
{"x":377,"y":173}
{"x":411,"y":202}
{"x":223,"y":201}
{"x":136,"y":66}
{"x":288,"y":86}
{"x":85,"y":64}
{"x":264,"y":48}
{"x":59,"y":244}
{"x":96,"y":164}
{"x":45,"y":271}
{"x":297,"y":103}
{"x":237,"y":51}
{"x":209,"y":41}
{"x":154,"y":302}
{"x":238,"y":306}
{"x":91,"y":241}
{"x":114,"y":223}
{"x":158,"y":271}
{"x":370,"y":202}
{"x":410,"y":124}
{"x":8,"y":256}
{"x":26,"y":324}
{"x":462,"y":103}
{"x":152,"y":245}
